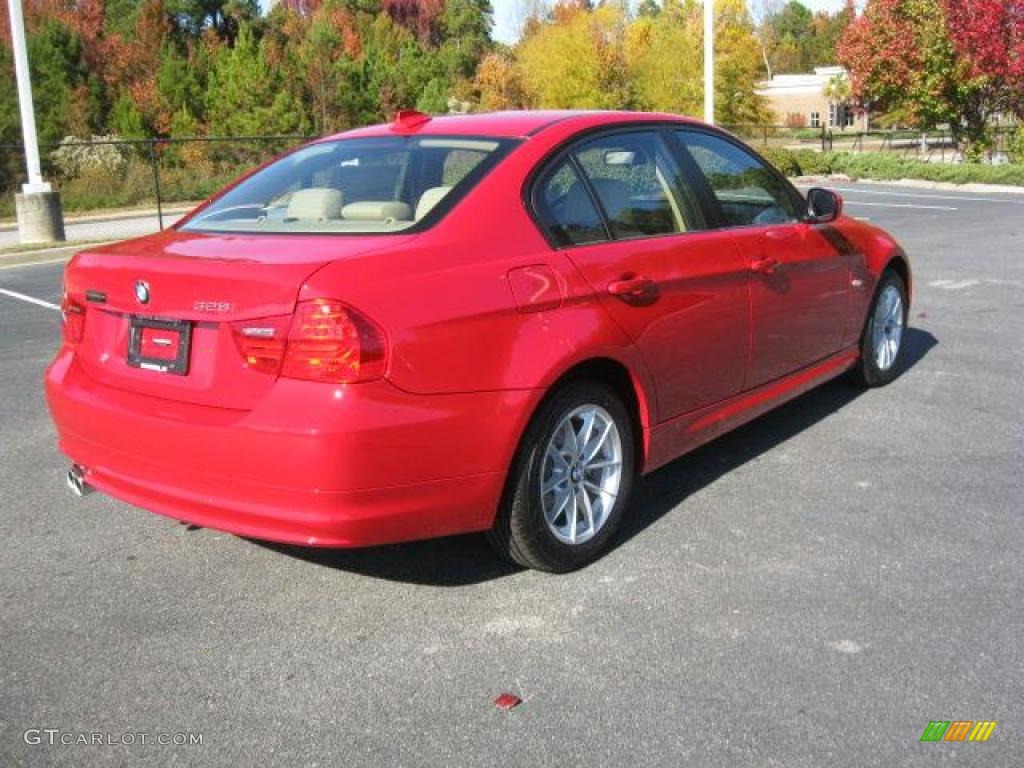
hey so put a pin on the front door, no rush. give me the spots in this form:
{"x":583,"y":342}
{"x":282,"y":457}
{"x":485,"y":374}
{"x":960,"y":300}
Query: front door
{"x":799,"y":281}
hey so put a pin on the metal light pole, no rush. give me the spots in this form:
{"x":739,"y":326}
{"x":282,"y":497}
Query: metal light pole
{"x":709,"y":61}
{"x":38,"y":206}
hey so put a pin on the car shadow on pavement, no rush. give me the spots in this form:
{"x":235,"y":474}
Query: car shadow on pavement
{"x":462,"y":560}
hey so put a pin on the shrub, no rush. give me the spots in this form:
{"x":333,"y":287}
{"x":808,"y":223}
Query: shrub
{"x":97,"y":188}
{"x":1016,"y":146}
{"x":75,"y":157}
{"x":885,"y":166}
{"x":813,"y":163}
{"x":783,"y":159}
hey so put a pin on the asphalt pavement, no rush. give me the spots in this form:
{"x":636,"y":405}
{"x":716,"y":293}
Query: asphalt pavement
{"x":810,"y":590}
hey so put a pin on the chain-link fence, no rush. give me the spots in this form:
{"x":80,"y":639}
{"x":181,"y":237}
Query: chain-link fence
{"x":780,"y":136}
{"x":113,"y":189}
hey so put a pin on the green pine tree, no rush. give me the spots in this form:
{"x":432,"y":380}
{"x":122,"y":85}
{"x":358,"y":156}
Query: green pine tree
{"x":245,"y":97}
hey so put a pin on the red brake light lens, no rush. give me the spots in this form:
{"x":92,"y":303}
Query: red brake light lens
{"x":328,"y":341}
{"x":72,"y":316}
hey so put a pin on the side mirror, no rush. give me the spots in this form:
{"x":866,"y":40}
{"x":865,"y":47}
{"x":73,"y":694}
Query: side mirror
{"x":824,"y":205}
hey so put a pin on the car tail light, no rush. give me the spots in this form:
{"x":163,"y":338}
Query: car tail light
{"x":262,"y":342}
{"x":72,"y":316}
{"x":328,"y":341}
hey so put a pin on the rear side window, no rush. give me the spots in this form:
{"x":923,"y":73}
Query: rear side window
{"x":639,"y":189}
{"x":355,"y":186}
{"x":747,"y":191}
{"x":565,"y":207}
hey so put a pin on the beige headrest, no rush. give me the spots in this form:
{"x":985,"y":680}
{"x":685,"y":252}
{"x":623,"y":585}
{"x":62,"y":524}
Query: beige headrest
{"x":368,"y":210}
{"x":429,"y":199}
{"x":316,"y":204}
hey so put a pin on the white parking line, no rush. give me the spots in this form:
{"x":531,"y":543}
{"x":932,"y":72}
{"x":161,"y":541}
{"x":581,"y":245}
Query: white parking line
{"x":29,"y":299}
{"x":954,"y":285}
{"x":861,"y":191}
{"x":901,"y":205}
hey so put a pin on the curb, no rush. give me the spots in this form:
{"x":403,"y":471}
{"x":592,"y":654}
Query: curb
{"x":1001,"y":189}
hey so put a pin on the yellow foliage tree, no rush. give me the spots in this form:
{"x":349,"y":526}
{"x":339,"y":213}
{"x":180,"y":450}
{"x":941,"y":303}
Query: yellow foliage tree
{"x":665,"y":58}
{"x":498,"y":83}
{"x":738,"y":65}
{"x":578,"y":60}
{"x":604,"y":59}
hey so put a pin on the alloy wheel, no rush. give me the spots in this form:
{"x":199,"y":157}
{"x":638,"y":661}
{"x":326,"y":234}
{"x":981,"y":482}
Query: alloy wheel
{"x":887,"y":328}
{"x":581,"y":474}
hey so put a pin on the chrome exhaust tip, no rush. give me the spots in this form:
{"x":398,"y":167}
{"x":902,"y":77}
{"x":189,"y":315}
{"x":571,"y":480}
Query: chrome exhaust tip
{"x":76,"y":481}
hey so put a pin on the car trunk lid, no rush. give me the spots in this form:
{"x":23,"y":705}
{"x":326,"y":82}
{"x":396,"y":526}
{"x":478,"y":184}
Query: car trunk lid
{"x":179,"y":294}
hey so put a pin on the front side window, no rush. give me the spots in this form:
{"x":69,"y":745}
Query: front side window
{"x":748,"y":192}
{"x":353,"y":186}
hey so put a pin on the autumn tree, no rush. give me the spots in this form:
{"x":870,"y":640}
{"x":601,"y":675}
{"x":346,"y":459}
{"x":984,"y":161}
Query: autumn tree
{"x":737,"y":65}
{"x":940,"y":62}
{"x":666,"y":61}
{"x":796,"y":40}
{"x":578,"y":60}
{"x":498,"y":82}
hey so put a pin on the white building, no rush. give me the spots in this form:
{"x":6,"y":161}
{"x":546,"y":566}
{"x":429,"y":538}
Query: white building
{"x":800,"y":101}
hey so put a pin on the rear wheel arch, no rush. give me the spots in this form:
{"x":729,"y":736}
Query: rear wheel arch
{"x":625,"y":383}
{"x":522,"y":530}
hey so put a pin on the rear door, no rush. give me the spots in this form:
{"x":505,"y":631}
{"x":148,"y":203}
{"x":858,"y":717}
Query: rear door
{"x":618,"y":204}
{"x":799,"y":281}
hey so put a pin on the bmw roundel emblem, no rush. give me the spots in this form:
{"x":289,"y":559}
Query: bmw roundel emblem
{"x":142,"y":291}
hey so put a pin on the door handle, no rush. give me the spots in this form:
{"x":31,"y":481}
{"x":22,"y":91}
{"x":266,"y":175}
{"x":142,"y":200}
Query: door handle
{"x":633,"y":288}
{"x":766,"y":265}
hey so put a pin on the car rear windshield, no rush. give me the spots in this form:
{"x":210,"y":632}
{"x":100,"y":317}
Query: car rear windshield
{"x":354,"y":186}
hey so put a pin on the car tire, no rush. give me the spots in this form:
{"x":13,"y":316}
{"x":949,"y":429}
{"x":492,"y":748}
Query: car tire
{"x":559,"y":513}
{"x":882,"y":342}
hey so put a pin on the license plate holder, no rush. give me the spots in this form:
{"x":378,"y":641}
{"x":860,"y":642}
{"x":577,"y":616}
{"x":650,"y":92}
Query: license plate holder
{"x":159,"y":344}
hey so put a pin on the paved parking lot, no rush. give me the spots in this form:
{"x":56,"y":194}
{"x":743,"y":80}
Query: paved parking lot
{"x":811,"y":590}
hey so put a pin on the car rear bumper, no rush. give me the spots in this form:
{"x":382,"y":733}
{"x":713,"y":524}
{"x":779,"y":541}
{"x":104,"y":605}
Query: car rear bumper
{"x":313,"y":464}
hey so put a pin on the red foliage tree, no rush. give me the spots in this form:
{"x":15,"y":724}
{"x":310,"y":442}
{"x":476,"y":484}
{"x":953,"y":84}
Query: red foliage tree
{"x":989,"y":39}
{"x":957,"y":62}
{"x":420,"y":17}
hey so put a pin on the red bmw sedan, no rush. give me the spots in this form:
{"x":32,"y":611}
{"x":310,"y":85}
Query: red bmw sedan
{"x":491,"y":322}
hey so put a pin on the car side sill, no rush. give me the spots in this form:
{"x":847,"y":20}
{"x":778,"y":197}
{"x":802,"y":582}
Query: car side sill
{"x":675,"y":437}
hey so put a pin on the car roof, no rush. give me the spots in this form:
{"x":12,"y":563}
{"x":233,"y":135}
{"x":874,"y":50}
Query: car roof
{"x":510,"y":124}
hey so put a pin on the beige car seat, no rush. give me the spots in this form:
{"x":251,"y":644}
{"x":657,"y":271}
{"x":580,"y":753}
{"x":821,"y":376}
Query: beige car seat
{"x":315,"y":204}
{"x":429,"y":199}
